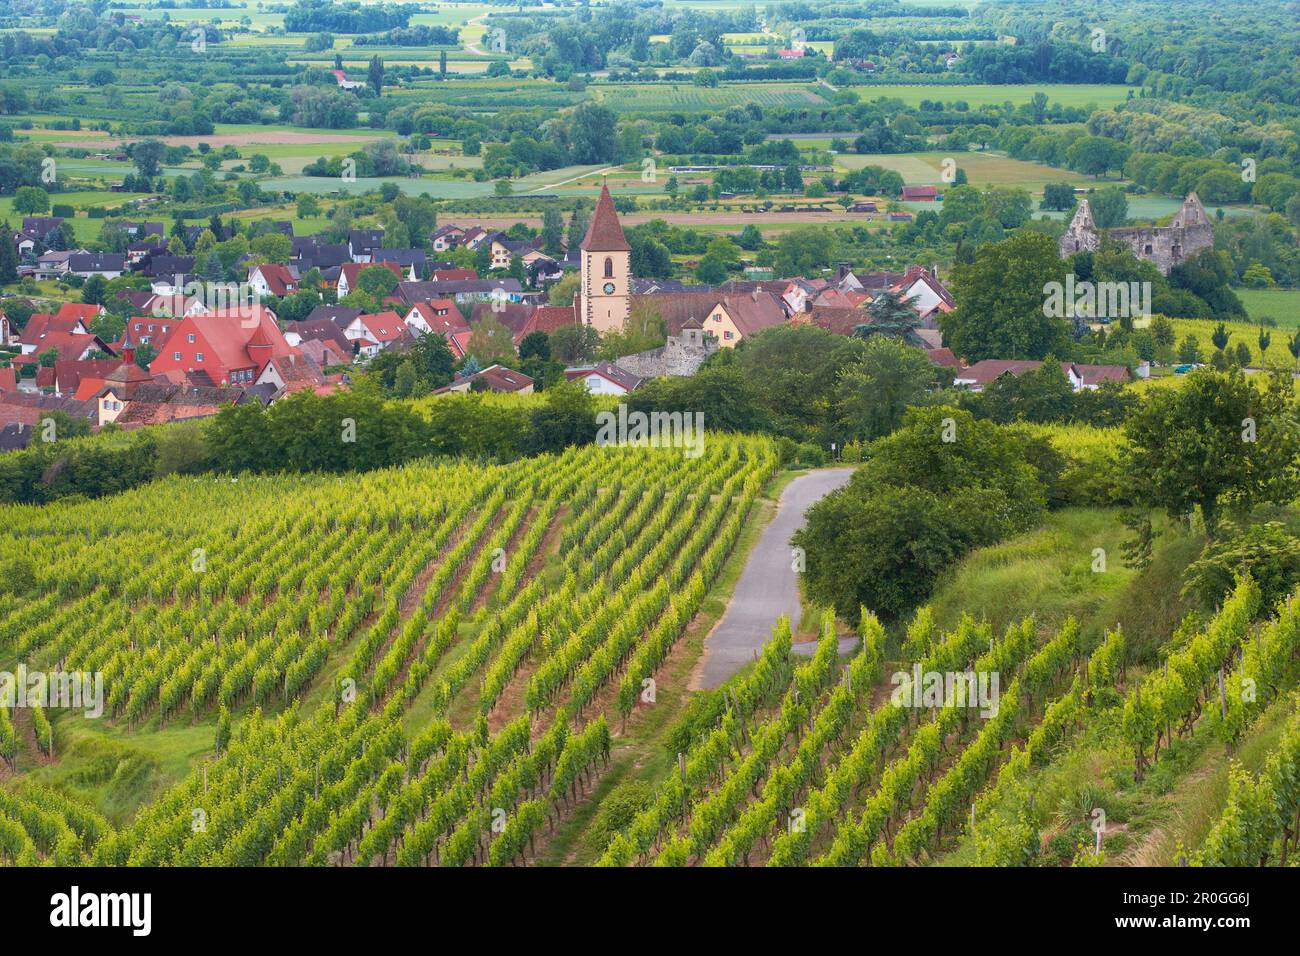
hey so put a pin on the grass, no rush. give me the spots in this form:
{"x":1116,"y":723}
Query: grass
{"x":1049,"y":573}
{"x":1280,"y":304}
{"x":982,"y":168}
{"x":1100,"y":95}
{"x":665,"y":97}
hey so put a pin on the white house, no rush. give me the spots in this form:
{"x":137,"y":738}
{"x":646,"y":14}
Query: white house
{"x":603,"y":378}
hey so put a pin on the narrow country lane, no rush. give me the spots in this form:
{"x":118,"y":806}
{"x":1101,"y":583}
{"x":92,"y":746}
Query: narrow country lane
{"x":768,"y":586}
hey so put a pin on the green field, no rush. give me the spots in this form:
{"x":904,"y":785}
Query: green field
{"x":1067,"y":94}
{"x":662,"y":97}
{"x":436,"y":188}
{"x":1280,"y":304}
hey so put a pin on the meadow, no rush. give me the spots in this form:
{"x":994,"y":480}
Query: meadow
{"x":1066,"y":94}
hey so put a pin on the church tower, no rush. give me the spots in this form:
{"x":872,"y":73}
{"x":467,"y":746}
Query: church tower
{"x":604,"y":295}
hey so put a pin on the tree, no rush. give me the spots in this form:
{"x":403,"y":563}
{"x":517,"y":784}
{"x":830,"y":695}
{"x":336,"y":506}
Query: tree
{"x":1059,"y":197}
{"x":574,"y":344}
{"x":8,"y":256}
{"x":148,"y":157}
{"x":873,"y":394}
{"x":1109,"y":207}
{"x":1000,"y":301}
{"x":490,"y":341}
{"x":377,"y":281}
{"x":1220,"y":337}
{"x":890,"y":314}
{"x":553,"y":232}
{"x":916,"y":505}
{"x":31,"y":201}
{"x":1189,"y":350}
{"x":94,"y":290}
{"x":1217,"y":439}
{"x":375,"y":75}
{"x":535,"y":345}
{"x":1096,"y":155}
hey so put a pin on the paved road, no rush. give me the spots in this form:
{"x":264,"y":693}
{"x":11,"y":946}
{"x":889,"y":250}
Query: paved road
{"x":768,"y":586}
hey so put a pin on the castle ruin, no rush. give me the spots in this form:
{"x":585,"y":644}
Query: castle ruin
{"x":1166,"y":246}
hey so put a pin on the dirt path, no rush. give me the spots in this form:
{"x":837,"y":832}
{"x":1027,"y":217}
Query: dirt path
{"x":768,"y":586}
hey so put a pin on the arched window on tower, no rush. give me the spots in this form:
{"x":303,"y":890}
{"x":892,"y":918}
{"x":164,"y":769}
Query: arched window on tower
{"x":609,"y":268}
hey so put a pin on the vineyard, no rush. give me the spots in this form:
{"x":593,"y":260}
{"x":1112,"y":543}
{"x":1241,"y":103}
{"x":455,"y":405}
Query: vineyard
{"x":517,"y":609}
{"x":436,"y":665}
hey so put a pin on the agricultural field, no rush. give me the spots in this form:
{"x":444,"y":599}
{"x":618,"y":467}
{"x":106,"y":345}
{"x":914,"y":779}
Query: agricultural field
{"x":456,"y":665}
{"x":666,"y":97}
{"x":1101,"y":96}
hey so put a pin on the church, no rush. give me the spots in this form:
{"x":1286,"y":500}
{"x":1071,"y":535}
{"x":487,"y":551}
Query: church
{"x":604,"y":294}
{"x":1166,"y":246}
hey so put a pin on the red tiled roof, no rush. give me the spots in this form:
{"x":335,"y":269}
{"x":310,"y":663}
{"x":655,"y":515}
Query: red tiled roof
{"x":943,"y":356}
{"x":8,"y":380}
{"x":384,"y":326}
{"x":454,"y":275}
{"x":549,"y":318}
{"x":605,"y":234}
{"x":278,"y":278}
{"x":79,"y":310}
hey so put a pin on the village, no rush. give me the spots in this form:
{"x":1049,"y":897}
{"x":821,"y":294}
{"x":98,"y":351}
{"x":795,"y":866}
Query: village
{"x":213,"y":345}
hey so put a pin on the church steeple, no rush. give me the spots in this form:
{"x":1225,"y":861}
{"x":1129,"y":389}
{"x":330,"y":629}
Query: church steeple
{"x":604,"y":233}
{"x":604,"y":297}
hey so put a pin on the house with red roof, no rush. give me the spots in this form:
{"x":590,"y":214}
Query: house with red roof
{"x":436,"y":315}
{"x":494,"y":378}
{"x":344,"y":83}
{"x":453,"y":275}
{"x":293,"y":373}
{"x":603,"y":378}
{"x":375,"y":332}
{"x":272,"y":279}
{"x":43,"y":324}
{"x":225,"y":348}
{"x":921,"y":288}
{"x":920,"y":193}
{"x":86,"y":312}
{"x":152,"y":330}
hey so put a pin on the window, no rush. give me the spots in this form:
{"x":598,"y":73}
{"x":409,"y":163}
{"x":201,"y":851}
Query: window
{"x":609,"y":267}
{"x":727,"y":336}
{"x":190,"y":337}
{"x":198,"y":356}
{"x":176,"y":356}
{"x":150,"y":326}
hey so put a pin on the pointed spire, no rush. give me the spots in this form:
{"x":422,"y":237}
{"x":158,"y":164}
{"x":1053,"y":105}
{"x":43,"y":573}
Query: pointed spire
{"x":605,"y":234}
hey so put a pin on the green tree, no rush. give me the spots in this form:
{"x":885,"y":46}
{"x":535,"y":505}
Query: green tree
{"x":1216,"y":440}
{"x":375,"y":75}
{"x":1109,"y":207}
{"x":1001,"y":299}
{"x":31,"y":201}
{"x":873,"y":393}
